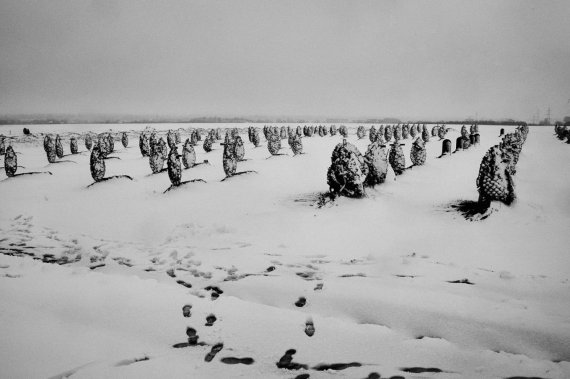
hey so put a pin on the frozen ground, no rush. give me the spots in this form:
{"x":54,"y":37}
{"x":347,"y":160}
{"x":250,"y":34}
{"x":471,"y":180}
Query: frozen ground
{"x":375,"y":272}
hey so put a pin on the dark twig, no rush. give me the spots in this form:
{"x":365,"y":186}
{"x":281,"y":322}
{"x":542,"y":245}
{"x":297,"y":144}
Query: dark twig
{"x":239,"y":173}
{"x":110,"y":178}
{"x":186,"y":182}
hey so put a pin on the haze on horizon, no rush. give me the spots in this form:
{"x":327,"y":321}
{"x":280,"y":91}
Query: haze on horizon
{"x":406,"y":59}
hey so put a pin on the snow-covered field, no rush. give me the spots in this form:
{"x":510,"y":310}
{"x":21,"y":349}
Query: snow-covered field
{"x":375,"y":272}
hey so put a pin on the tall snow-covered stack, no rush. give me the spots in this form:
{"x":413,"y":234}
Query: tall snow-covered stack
{"x":441,"y":132}
{"x":73,"y":145}
{"x":188,"y":154}
{"x":372,"y":134}
{"x":103,"y":144}
{"x":446,"y":147}
{"x":434,"y":131}
{"x":325,"y":131}
{"x":250,"y":133}
{"x":110,"y":142}
{"x":380,"y":133}
{"x":49,"y":147}
{"x":348,"y":171}
{"x":170,"y":139}
{"x":125,"y":139}
{"x":459,"y":143}
{"x":58,"y":147}
{"x":466,"y":141}
{"x":413,"y":131}
{"x":296,"y":144}
{"x":494,"y":181}
{"x":405,"y":131}
{"x":47,"y":138}
{"x":343,"y":131}
{"x":560,"y":131}
{"x":229,"y":157}
{"x":376,"y":158}
{"x":174,"y":167}
{"x":283,"y":132}
{"x":523,"y":129}
{"x":418,"y":152}
{"x":274,"y":143}
{"x":163,"y":148}
{"x":361,"y":132}
{"x":97,"y":163}
{"x":425,"y":135}
{"x":144,"y":145}
{"x":333,"y":130}
{"x":88,"y":141}
{"x":321,"y":131}
{"x":398,"y":132}
{"x":299,"y":131}
{"x":266,"y":132}
{"x":397,"y":159}
{"x":255,"y":139}
{"x":177,"y":139}
{"x":156,"y":159}
{"x":290,"y":137}
{"x":310,"y":131}
{"x":3,"y":146}
{"x":239,"y":148}
{"x":388,"y":133}
{"x":193,"y":137}
{"x":208,"y":144}
{"x":512,"y":147}
{"x":152,"y":142}
{"x":10,"y":161}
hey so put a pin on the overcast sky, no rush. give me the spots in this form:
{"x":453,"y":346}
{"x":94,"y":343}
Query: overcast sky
{"x":429,"y":59}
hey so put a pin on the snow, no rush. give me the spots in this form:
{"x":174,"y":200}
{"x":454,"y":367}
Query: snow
{"x":384,"y":262}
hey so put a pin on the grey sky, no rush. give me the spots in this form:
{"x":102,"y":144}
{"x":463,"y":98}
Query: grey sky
{"x":428,"y":59}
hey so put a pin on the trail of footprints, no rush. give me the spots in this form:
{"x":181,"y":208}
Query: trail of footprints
{"x":193,"y":337}
{"x":285,"y":362}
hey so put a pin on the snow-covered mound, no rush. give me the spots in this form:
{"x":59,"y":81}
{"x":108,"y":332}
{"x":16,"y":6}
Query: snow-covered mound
{"x":397,"y":283}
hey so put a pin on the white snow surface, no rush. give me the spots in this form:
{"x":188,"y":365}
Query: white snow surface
{"x":384,"y":263}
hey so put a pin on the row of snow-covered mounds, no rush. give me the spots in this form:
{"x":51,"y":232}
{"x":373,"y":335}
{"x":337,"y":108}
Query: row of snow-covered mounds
{"x":394,"y":284}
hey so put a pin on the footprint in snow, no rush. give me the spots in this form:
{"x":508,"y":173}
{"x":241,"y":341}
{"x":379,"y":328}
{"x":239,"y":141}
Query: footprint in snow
{"x":184,"y":284}
{"x":210,"y":320}
{"x":215,"y":350}
{"x":215,"y":291}
{"x":301,"y":302}
{"x":235,"y":361}
{"x":192,"y":336}
{"x":336,"y":366}
{"x":420,"y":370}
{"x":286,"y":361}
